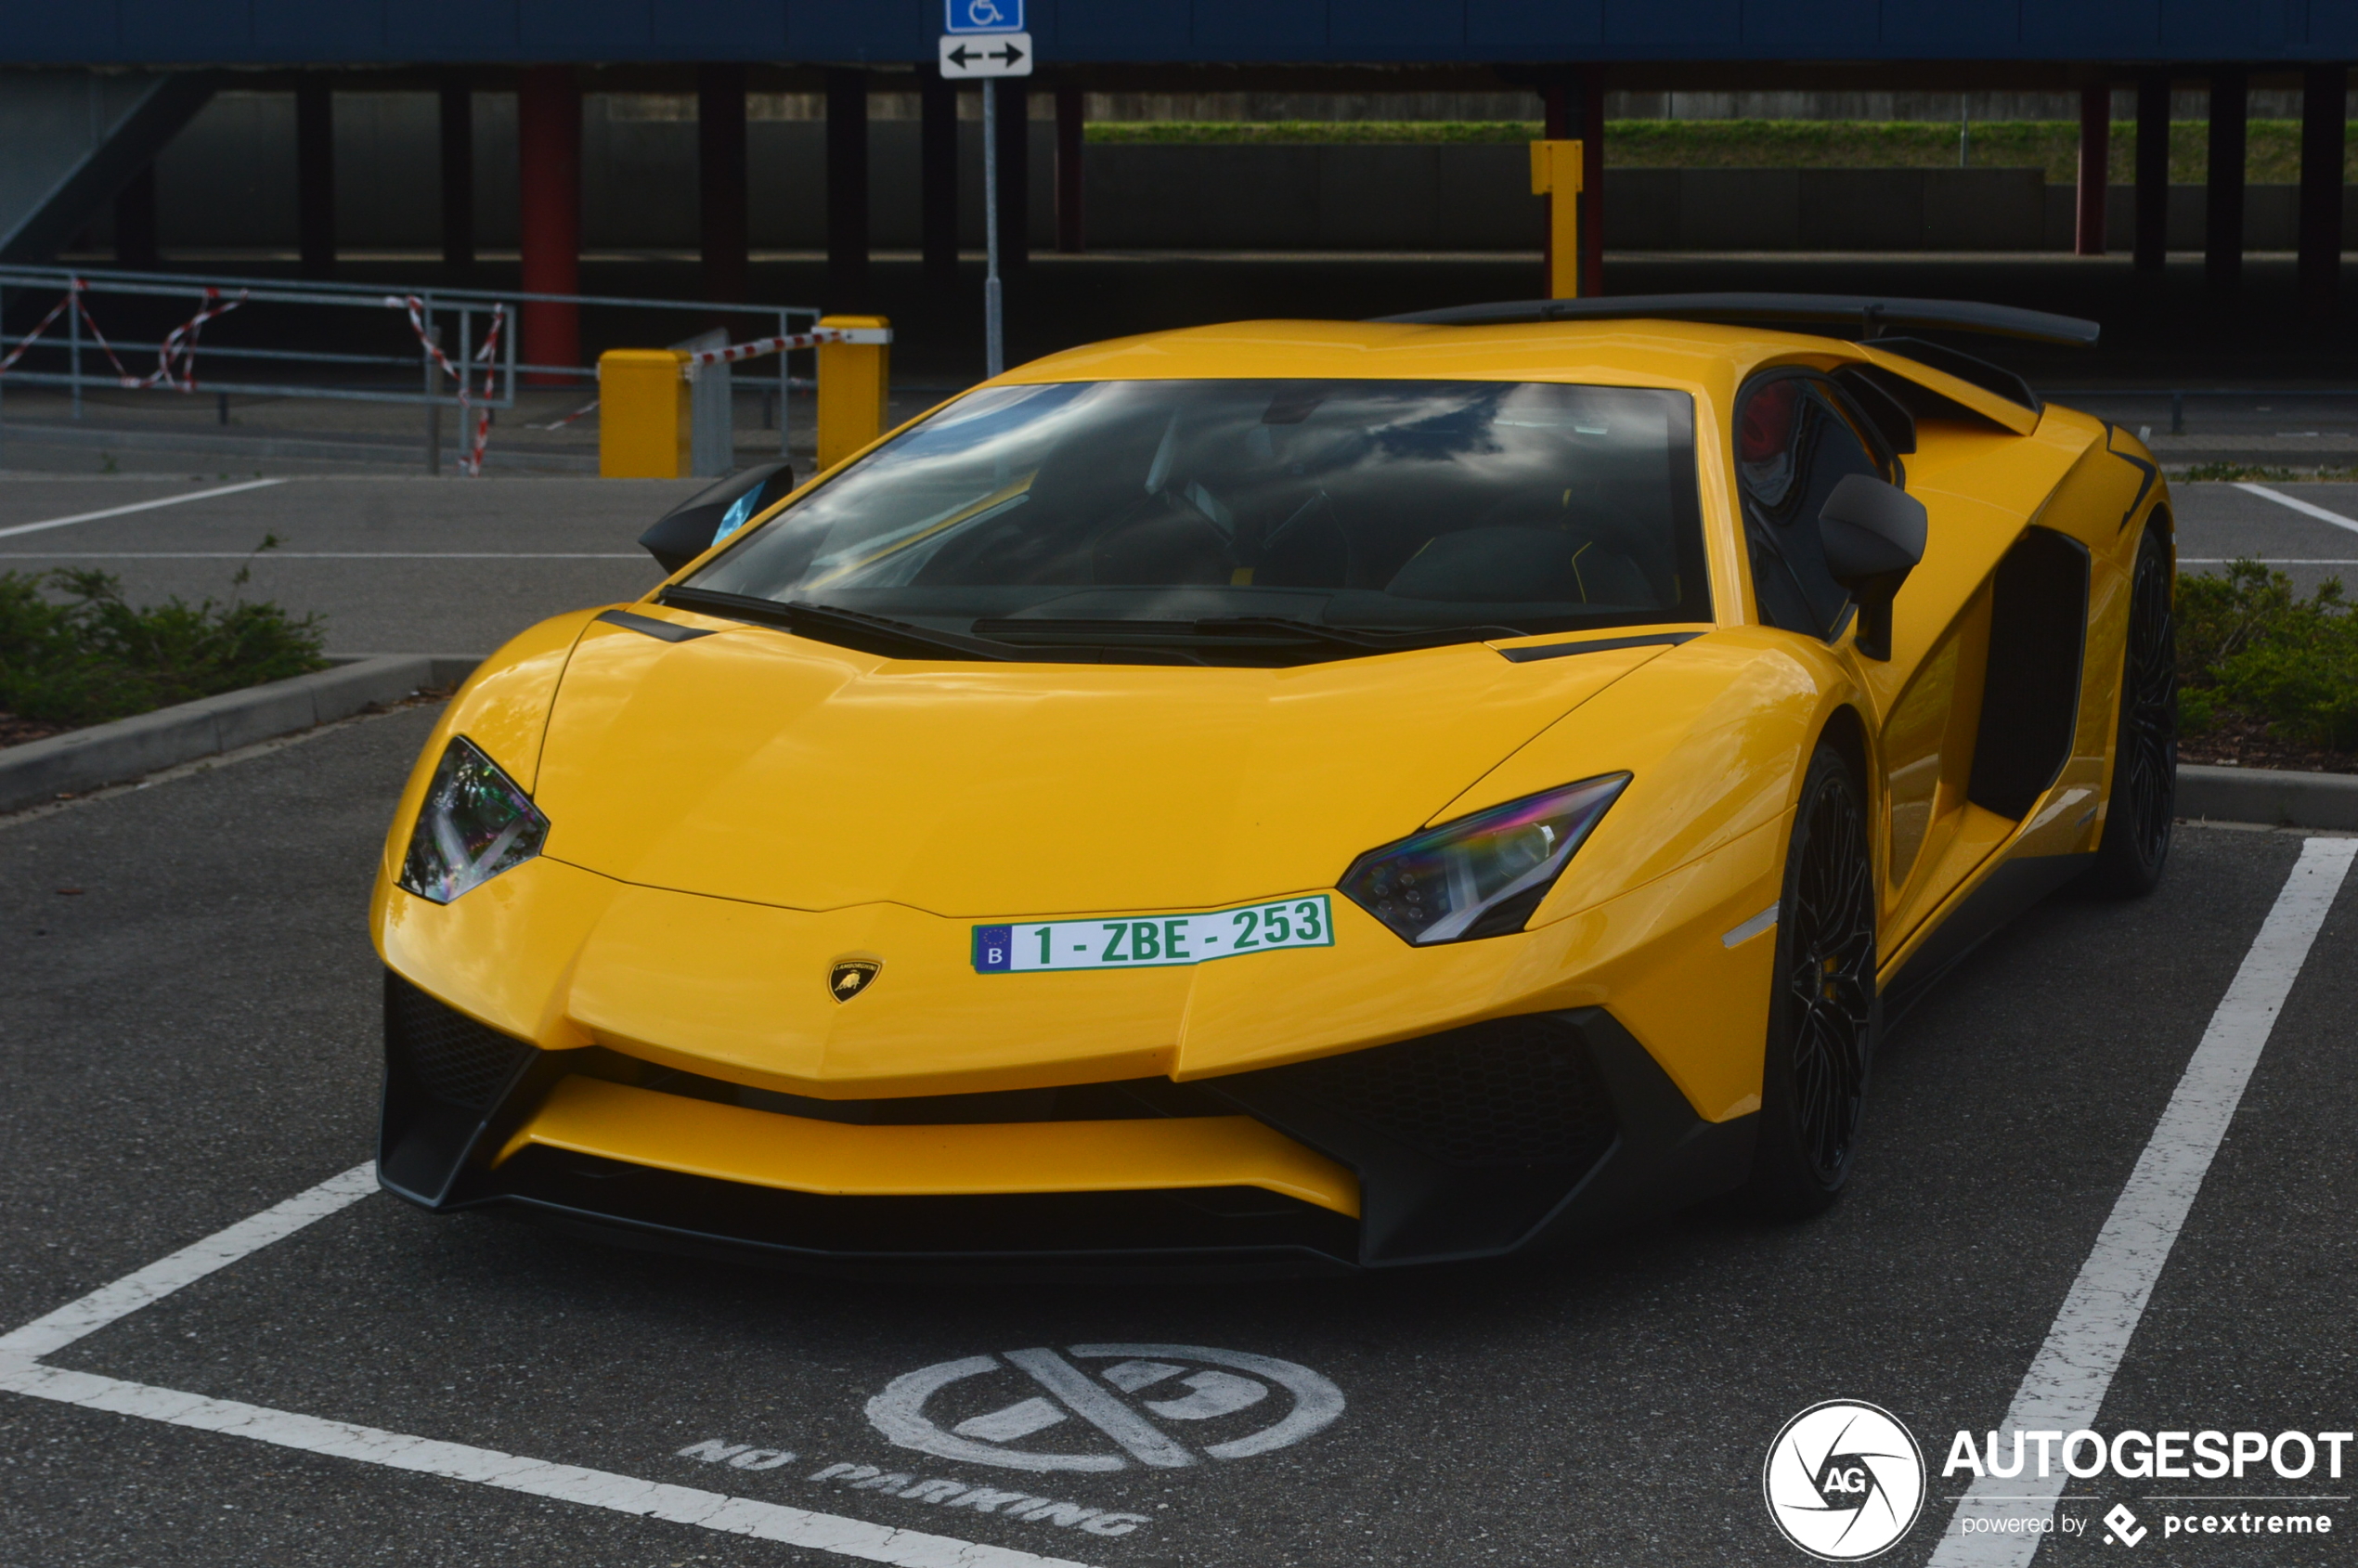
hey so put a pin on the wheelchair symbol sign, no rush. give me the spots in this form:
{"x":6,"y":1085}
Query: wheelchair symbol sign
{"x":983,"y":15}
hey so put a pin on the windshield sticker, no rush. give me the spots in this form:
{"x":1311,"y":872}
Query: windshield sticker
{"x":1156,"y":944}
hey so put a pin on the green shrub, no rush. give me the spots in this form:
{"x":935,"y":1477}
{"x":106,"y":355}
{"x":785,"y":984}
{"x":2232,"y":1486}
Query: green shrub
{"x":78,"y":653}
{"x":2248,"y":645}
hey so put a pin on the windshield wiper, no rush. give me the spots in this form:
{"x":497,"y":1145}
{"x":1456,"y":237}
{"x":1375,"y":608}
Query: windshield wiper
{"x":850,"y":628}
{"x":1375,"y":639}
{"x":1230,"y":631}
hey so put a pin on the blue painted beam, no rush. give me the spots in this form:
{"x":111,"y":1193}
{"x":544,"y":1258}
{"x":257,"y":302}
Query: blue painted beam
{"x":1145,"y":32}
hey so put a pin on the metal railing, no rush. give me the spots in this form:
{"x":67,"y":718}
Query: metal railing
{"x":2178,"y":396}
{"x":67,"y":348}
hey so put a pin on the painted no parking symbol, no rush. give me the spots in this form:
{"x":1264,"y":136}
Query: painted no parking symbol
{"x":1103,"y":1407}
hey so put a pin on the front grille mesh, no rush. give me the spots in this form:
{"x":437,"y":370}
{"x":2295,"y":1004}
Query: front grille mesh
{"x":1511,"y":1092}
{"x":454,"y":1058}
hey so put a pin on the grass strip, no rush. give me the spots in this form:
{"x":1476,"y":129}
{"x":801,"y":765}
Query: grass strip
{"x":2273,"y":148}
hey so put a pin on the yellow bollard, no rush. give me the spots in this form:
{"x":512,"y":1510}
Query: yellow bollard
{"x":853,"y":379}
{"x":642,"y":414}
{"x":1555,"y":173}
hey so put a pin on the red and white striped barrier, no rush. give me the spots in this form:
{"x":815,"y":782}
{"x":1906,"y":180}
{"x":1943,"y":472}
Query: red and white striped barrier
{"x":178,"y":348}
{"x":486,"y":356}
{"x":758,"y":346}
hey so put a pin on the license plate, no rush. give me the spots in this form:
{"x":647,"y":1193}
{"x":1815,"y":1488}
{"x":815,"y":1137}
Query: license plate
{"x":1157,"y":943}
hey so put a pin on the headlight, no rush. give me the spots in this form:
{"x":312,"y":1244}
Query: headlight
{"x":1480,"y":875}
{"x":475,"y":823}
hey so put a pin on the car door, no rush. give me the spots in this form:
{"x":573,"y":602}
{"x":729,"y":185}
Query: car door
{"x":1798,"y":435}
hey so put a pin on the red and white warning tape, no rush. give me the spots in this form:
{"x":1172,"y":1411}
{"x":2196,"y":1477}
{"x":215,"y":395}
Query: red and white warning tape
{"x":486,"y":356}
{"x":177,"y":350}
{"x":875,"y":335}
{"x":589,"y":407}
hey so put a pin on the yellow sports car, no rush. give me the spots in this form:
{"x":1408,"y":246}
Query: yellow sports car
{"x":1287,"y":794}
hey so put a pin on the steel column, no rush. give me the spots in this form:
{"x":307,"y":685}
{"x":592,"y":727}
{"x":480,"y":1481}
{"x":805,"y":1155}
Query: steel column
{"x":721,"y":170}
{"x":1014,"y":123}
{"x":457,"y":176}
{"x":548,"y":151}
{"x":1071,"y":234}
{"x":846,"y":190}
{"x":135,"y":220}
{"x":2223,"y":229}
{"x":2153,"y":170}
{"x":316,"y":177}
{"x":2095,"y":168}
{"x":938,"y":174}
{"x":2324,"y":129}
{"x":1592,"y":180}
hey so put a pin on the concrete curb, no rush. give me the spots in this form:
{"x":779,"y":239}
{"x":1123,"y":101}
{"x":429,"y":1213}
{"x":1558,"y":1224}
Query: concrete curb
{"x":2264,"y":795}
{"x":129,"y":748}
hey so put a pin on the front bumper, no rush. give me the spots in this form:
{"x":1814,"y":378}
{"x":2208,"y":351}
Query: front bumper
{"x":1498,"y":1137}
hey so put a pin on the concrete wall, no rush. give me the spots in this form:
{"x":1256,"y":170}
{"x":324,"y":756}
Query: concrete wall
{"x":228,"y":183}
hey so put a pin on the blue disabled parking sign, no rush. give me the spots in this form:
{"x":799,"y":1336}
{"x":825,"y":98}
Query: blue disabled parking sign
{"x":983,"y":15}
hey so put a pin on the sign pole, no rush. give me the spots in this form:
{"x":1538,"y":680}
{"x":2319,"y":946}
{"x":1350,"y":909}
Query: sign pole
{"x":995,"y":349}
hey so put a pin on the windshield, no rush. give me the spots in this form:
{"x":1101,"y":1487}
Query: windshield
{"x":1257,"y":522}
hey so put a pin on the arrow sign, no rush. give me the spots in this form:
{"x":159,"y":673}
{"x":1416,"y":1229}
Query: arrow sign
{"x":998,"y":54}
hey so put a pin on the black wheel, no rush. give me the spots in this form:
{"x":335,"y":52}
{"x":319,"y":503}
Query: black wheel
{"x":2144,"y":770}
{"x":1823,"y":1012}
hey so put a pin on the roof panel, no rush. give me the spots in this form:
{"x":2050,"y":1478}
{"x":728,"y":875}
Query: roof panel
{"x":1706,"y":29}
{"x":1835,"y":27}
{"x":1516,"y":27}
{"x":306,"y":30}
{"x":1119,"y":32}
{"x":585,"y":30}
{"x":161,"y":31}
{"x":721,"y":29}
{"x":862,"y":29}
{"x":1955,"y":29}
{"x":1262,"y":29}
{"x":458,"y":30}
{"x":1398,"y":24}
{"x":102,"y":33}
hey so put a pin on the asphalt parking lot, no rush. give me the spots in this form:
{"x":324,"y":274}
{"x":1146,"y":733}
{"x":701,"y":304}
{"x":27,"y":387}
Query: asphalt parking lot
{"x":189,"y":1037}
{"x":403,"y":566}
{"x":392,"y":565}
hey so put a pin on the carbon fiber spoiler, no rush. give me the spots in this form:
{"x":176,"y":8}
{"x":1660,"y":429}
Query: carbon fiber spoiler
{"x":1873,"y":315}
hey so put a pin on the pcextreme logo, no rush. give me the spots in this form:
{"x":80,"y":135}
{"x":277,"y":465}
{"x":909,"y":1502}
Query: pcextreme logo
{"x":1843,"y":1480}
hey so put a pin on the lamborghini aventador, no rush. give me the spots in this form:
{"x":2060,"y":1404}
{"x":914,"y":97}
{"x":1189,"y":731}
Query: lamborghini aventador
{"x":1286,"y":794}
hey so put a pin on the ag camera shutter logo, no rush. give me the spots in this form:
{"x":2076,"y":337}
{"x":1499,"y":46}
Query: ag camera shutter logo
{"x":1844,"y":1481}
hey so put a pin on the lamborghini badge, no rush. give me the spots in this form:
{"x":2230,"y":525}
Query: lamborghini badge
{"x":851,"y":977}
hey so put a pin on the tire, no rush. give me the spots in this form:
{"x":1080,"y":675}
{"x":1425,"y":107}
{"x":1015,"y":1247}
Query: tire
{"x":2136,"y":846}
{"x":1823,"y":1008}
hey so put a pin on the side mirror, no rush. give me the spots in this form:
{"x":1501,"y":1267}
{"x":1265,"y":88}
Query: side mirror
{"x":712,"y":515}
{"x":1872,"y":534}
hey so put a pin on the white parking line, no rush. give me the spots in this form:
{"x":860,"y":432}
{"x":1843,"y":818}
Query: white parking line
{"x":76,"y":1319}
{"x":21,"y":1373}
{"x":509,"y":1472}
{"x":137,"y":506}
{"x":2068,"y":1380}
{"x":2307,"y":509}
